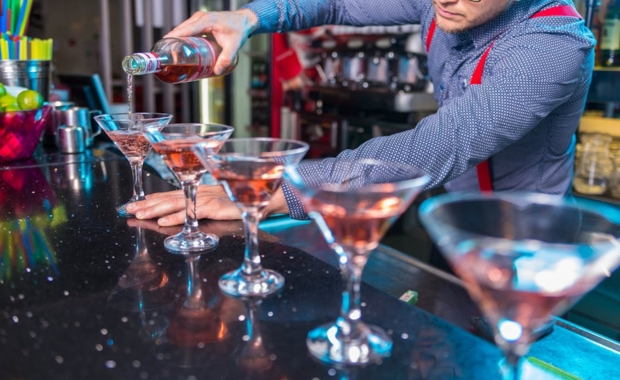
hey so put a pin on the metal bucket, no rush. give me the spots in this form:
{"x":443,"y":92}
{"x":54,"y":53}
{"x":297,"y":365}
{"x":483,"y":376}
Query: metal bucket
{"x":32,"y":74}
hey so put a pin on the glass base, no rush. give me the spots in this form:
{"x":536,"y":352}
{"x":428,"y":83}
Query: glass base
{"x":237,"y":283}
{"x":122,"y":210}
{"x":183,"y":243}
{"x":366,"y":344}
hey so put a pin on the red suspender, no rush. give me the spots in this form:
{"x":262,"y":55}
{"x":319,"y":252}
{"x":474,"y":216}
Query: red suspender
{"x":560,"y":10}
{"x":483,"y":169}
{"x":429,"y":36}
{"x":476,"y":77}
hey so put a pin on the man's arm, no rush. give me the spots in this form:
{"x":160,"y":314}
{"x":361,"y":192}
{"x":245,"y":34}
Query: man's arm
{"x":525,"y":80}
{"x":286,"y":15}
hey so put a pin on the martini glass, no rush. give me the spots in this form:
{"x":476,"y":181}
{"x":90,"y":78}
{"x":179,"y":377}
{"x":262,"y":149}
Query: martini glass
{"x":353,"y":202}
{"x":174,"y":143}
{"x":523,"y":257}
{"x":250,"y":170}
{"x":126,"y":132}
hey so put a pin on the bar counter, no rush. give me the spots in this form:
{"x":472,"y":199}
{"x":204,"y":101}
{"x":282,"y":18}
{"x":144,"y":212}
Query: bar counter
{"x":86,"y":294}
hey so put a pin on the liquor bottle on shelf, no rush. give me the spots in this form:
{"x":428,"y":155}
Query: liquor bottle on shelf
{"x":178,"y":60}
{"x":610,"y":41}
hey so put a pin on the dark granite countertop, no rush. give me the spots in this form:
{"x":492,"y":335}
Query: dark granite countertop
{"x":85,"y":294}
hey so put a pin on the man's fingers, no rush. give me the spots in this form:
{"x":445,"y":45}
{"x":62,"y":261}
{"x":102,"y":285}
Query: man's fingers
{"x":225,"y":59}
{"x":196,"y":25}
{"x":153,"y":199}
{"x":172,"y":220}
{"x":178,"y":193}
{"x":165,"y":207}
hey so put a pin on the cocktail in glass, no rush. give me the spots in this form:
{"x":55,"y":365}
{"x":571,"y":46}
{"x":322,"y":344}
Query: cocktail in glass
{"x":174,"y":143}
{"x":353,"y":202}
{"x":251,"y":170}
{"x":125,"y":131}
{"x":523,"y":257}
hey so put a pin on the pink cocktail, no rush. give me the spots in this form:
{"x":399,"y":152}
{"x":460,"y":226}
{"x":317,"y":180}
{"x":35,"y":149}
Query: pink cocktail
{"x":126,"y":131}
{"x":174,"y":143}
{"x":523,"y":257}
{"x":353,"y":202}
{"x":251,"y":171}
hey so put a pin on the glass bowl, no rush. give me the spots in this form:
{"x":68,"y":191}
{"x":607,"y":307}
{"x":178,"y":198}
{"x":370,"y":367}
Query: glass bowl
{"x":20,"y":132}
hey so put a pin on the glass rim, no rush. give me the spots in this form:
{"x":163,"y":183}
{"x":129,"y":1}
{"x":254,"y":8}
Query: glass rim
{"x":178,"y":128}
{"x":427,"y":207}
{"x":302,"y":147}
{"x":123,"y":117}
{"x":423,"y":178}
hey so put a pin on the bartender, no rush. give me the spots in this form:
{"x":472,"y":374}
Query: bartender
{"x":510,"y":77}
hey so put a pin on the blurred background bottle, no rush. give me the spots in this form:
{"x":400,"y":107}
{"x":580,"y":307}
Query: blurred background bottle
{"x":610,"y":39}
{"x":178,"y":60}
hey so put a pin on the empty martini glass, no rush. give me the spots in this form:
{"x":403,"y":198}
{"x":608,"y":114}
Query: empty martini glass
{"x":353,"y":202}
{"x":125,"y":131}
{"x":174,"y":143}
{"x":523,"y":257}
{"x":251,"y":169}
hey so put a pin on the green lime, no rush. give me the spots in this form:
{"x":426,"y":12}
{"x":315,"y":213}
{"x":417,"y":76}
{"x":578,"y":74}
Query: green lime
{"x":8,"y":100}
{"x":29,"y":100}
{"x":2,"y":90}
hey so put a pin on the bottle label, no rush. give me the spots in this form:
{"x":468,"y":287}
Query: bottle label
{"x":153,"y":63}
{"x":611,"y":35}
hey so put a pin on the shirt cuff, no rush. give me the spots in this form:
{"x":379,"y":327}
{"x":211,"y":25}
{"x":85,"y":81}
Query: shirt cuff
{"x":267,"y":14}
{"x":296,"y":209}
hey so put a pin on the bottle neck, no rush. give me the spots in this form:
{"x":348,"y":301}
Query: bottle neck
{"x":142,"y":63}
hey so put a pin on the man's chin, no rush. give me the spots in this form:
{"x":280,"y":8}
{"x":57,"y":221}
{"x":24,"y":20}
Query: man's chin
{"x":450,"y":27}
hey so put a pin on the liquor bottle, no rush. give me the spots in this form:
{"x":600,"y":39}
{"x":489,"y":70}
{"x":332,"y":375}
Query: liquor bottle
{"x":610,"y":44}
{"x":178,"y":60}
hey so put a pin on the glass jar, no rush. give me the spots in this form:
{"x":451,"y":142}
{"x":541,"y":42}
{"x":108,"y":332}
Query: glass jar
{"x":614,"y":187}
{"x":595,"y":167}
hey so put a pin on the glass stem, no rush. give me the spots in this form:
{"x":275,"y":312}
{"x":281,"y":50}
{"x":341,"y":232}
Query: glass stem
{"x":350,"y":312}
{"x":511,"y":366}
{"x":190,"y":189}
{"x":251,"y":262}
{"x":136,"y":170}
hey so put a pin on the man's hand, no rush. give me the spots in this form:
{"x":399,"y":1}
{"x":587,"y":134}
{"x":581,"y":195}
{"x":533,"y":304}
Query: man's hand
{"x":230,"y":29}
{"x":212,"y":202}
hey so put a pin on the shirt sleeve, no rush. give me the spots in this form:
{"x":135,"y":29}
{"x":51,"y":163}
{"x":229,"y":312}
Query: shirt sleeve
{"x":287,"y":15}
{"x":524,"y":80}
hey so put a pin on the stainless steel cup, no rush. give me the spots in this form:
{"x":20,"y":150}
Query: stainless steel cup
{"x":54,"y":121}
{"x":81,"y":117}
{"x":71,"y":139}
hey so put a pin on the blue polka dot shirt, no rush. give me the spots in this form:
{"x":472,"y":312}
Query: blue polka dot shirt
{"x":523,"y":116}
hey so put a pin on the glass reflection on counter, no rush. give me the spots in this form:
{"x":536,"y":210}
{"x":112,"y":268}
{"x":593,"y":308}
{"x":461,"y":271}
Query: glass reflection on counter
{"x":29,"y":207}
{"x":433,"y":356}
{"x":78,"y":171}
{"x":254,"y":357}
{"x":144,"y":284}
{"x":198,"y":329}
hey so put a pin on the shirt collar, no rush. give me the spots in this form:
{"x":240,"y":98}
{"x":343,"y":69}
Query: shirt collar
{"x":482,"y":36}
